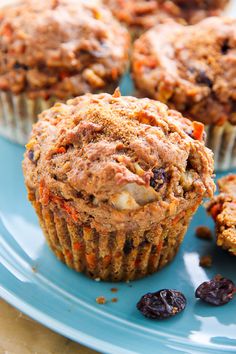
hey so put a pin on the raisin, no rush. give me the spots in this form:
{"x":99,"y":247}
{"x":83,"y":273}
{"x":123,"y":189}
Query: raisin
{"x":128,"y":246}
{"x":159,"y":178}
{"x":31,"y":155}
{"x":204,"y":233}
{"x":162,"y":304}
{"x":218,"y":291}
{"x":225,"y":47}
{"x":18,"y":65}
{"x":203,"y":79}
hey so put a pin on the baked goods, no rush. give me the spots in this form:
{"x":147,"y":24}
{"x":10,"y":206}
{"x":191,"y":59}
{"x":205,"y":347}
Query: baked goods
{"x":54,"y":50}
{"x":115,"y":181}
{"x":141,"y":15}
{"x":192,"y":69}
{"x":223,"y":210}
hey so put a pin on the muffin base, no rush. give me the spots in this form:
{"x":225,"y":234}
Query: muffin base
{"x":222,"y":141}
{"x":17,"y":115}
{"x":112,"y":256}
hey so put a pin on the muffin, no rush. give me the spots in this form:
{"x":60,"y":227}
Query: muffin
{"x":192,"y":69}
{"x":54,"y":50}
{"x":222,"y":208}
{"x":115,"y":181}
{"x":140,"y":15}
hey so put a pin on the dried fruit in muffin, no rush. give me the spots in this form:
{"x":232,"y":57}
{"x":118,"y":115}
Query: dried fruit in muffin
{"x":218,"y":291}
{"x":162,"y":304}
{"x":116,"y":183}
{"x":222,"y":208}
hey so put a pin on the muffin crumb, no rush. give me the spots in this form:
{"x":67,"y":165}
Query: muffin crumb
{"x":203,"y":232}
{"x":206,"y":261}
{"x":101,"y":300}
{"x":114,"y":299}
{"x":114,"y":290}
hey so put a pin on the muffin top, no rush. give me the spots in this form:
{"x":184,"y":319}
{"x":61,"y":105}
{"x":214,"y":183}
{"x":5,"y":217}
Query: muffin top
{"x":192,"y":68}
{"x":60,"y":47}
{"x":145,"y":14}
{"x":120,"y":159}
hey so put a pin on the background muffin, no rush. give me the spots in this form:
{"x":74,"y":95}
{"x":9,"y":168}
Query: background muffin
{"x":115,"y":181}
{"x":140,"y":15}
{"x":222,"y":208}
{"x":192,"y":69}
{"x":52,"y":50}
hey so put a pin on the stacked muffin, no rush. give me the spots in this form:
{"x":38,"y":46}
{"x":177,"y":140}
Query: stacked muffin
{"x":115,"y":181}
{"x":53,"y":50}
{"x":192,"y":69}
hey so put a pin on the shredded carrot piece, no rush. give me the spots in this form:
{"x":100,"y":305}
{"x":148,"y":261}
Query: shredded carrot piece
{"x":215,"y":211}
{"x":198,"y":130}
{"x":107,"y":260}
{"x":77,"y":246}
{"x":44,"y":193}
{"x":63,"y":75}
{"x":61,"y":150}
{"x":116,"y":92}
{"x":70,"y":210}
{"x":91,"y":260}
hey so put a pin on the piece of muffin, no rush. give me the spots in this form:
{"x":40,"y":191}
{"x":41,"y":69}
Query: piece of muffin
{"x":192,"y":69}
{"x":222,"y":208}
{"x":115,"y":181}
{"x":141,"y":15}
{"x":53,"y":50}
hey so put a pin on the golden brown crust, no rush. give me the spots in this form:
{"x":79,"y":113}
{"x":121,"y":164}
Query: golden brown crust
{"x":60,"y":48}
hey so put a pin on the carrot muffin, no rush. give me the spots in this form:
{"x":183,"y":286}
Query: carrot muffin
{"x":192,"y":69}
{"x":115,"y":181}
{"x":54,"y":50}
{"x":222,"y":208}
{"x":140,"y":15}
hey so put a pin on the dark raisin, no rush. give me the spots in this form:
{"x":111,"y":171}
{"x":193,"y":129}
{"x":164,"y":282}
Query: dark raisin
{"x":18,"y":65}
{"x":128,"y":246}
{"x":203,"y":79}
{"x":31,"y":155}
{"x":225,"y":47}
{"x":218,"y":291}
{"x":159,"y":178}
{"x":144,"y":243}
{"x":162,"y":304}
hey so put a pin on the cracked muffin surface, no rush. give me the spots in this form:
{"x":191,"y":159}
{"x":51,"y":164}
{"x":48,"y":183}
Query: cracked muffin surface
{"x":121,"y":174}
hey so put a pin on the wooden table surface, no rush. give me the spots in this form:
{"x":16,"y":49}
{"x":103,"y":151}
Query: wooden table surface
{"x":20,"y":334}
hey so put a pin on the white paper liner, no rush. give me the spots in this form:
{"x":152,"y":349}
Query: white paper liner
{"x":18,"y":113}
{"x":222,"y":141}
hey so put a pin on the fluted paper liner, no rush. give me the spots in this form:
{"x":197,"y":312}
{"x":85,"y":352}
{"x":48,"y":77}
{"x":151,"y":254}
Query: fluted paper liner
{"x":112,"y":256}
{"x":221,"y":139}
{"x":18,"y":113}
